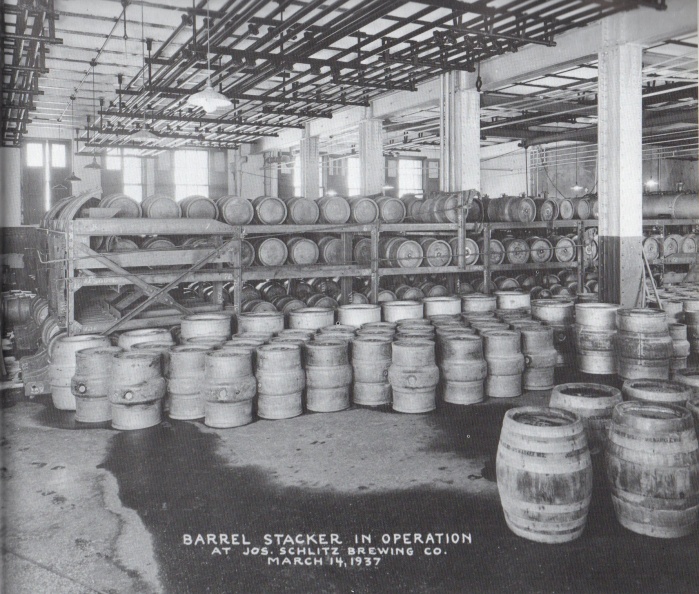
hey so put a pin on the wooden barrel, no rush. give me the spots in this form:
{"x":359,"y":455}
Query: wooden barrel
{"x":270,"y":251}
{"x":62,"y":366}
{"x":363,"y":210}
{"x":653,"y":469}
{"x":185,"y":381}
{"x":159,"y":206}
{"x":509,"y":209}
{"x":229,"y":387}
{"x":312,"y":318}
{"x":393,"y":311}
{"x":496,"y":255}
{"x":235,"y":210}
{"x":642,"y":344}
{"x":680,"y":346}
{"x":470,"y":251}
{"x":137,"y":390}
{"x":546,"y":209}
{"x":257,"y":306}
{"x":127,"y":207}
{"x":594,"y":331}
{"x":334,"y":210}
{"x":564,"y":248}
{"x":539,"y":357}
{"x":114,"y":244}
{"x":540,"y":250}
{"x":357,"y":315}
{"x":503,"y":354}
{"x":288,"y":304}
{"x":371,"y":358}
{"x":594,"y":404}
{"x":199,"y":207}
{"x":328,"y":376}
{"x":302,"y":250}
{"x":437,"y":252}
{"x":408,"y":293}
{"x":331,"y":250}
{"x":689,"y":244}
{"x":566,"y":210}
{"x":91,"y":384}
{"x":463,"y":367}
{"x":516,"y":250}
{"x":581,"y":208}
{"x":554,"y":311}
{"x":544,"y":474}
{"x":211,"y":325}
{"x":280,"y":381}
{"x":399,"y":252}
{"x":362,"y":251}
{"x":653,"y":247}
{"x":478,"y":303}
{"x":413,"y":375}
{"x":511,"y":300}
{"x":17,"y":308}
{"x":657,"y":391}
{"x":671,"y":244}
{"x":432,"y":290}
{"x":391,"y":210}
{"x":269,"y":210}
{"x":302,"y":211}
{"x":435,"y":306}
{"x":271,"y":289}
{"x":322,"y":301}
{"x":266,"y":322}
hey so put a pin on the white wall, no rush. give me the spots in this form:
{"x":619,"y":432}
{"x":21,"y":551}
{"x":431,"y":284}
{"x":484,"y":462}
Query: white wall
{"x":10,"y":189}
{"x":503,"y":170}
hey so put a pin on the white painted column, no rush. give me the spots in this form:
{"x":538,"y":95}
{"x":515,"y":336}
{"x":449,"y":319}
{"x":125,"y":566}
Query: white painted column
{"x":271,"y":176}
{"x":620,"y":182}
{"x":371,"y":159}
{"x":310,"y":182}
{"x":460,"y":129}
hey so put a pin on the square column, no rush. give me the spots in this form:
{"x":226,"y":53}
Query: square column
{"x":460,"y":133}
{"x":371,"y":159}
{"x":310,"y":182}
{"x":620,"y":127}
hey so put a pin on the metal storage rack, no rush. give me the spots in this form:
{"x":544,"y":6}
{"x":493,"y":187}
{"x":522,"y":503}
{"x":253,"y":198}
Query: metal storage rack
{"x":73,"y":264}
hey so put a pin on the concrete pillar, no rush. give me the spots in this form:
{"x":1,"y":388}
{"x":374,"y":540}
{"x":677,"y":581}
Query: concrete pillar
{"x":620,"y":173}
{"x":371,"y":159}
{"x":310,"y":182}
{"x":272,"y":176}
{"x":460,"y":133}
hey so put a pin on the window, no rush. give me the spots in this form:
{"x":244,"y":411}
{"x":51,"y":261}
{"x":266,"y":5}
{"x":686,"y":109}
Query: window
{"x":354,"y":177}
{"x":123,"y":172}
{"x":191,"y":169}
{"x":410,"y":177}
{"x":58,"y":155}
{"x":45,"y":166}
{"x":133,"y":178}
{"x":35,"y":154}
{"x":297,"y":176}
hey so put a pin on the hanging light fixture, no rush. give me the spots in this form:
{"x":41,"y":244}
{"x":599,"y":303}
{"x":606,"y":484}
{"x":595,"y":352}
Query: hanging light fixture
{"x":651,"y":183}
{"x":94,"y":164}
{"x":209,"y":99}
{"x":72,"y":177}
{"x":143,"y":133}
{"x":576,"y":187}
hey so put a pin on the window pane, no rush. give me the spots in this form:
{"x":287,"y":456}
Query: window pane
{"x":132,"y":170}
{"x":353,"y":177}
{"x":297,"y":176}
{"x":134,"y":191}
{"x":191,"y":173}
{"x":35,"y":154}
{"x":409,"y":177}
{"x":58,"y":155}
{"x":113,"y":160}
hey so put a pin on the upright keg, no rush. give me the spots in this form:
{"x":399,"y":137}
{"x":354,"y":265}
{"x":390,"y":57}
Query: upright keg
{"x":512,"y":300}
{"x":595,"y":329}
{"x":302,"y":211}
{"x":642,"y":344}
{"x":229,"y":387}
{"x":463,"y":368}
{"x":477,"y":302}
{"x":334,"y":210}
{"x":363,"y":210}
{"x":673,"y":310}
{"x":371,"y":359}
{"x":266,"y":322}
{"x":539,"y":357}
{"x":280,"y":381}
{"x":544,"y":451}
{"x":413,"y":375}
{"x":328,"y":375}
{"x":657,"y":391}
{"x":448,"y":305}
{"x":558,"y":314}
{"x":302,"y":251}
{"x":269,"y":210}
{"x":211,"y":325}
{"x":357,"y":315}
{"x":129,"y":338}
{"x":62,"y":366}
{"x":185,"y":381}
{"x":691,"y":319}
{"x":503,"y":354}
{"x":653,"y":469}
{"x":235,"y":210}
{"x":680,"y":346}
{"x":137,"y":391}
{"x":312,"y":318}
{"x":401,"y":310}
{"x":158,"y":206}
{"x":91,"y":383}
{"x":594,"y":404}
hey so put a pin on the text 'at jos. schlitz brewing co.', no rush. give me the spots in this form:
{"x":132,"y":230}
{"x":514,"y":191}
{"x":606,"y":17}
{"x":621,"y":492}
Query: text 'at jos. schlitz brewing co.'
{"x":318,"y":549}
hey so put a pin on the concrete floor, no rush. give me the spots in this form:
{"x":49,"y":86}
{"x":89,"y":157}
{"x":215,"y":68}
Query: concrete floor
{"x":95,"y":510}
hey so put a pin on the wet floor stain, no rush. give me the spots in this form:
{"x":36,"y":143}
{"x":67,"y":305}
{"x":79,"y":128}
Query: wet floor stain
{"x":172,"y":476}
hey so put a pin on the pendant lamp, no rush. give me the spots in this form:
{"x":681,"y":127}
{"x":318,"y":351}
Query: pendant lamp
{"x":72,"y":177}
{"x":94,"y":164}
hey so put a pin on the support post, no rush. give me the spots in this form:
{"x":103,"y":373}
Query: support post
{"x":310,"y":180}
{"x":371,"y":160}
{"x":620,"y":172}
